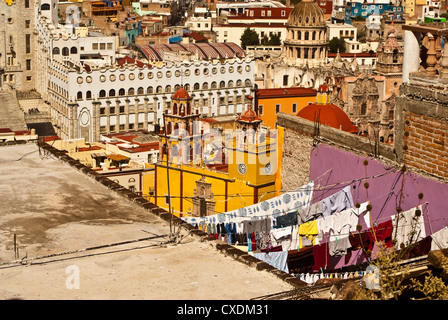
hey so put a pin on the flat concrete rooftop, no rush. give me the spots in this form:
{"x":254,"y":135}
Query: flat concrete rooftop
{"x":64,"y":219}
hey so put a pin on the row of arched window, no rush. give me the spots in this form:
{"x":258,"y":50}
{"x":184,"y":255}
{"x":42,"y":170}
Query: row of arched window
{"x":307,"y":35}
{"x":65,"y":51}
{"x":168,"y":89}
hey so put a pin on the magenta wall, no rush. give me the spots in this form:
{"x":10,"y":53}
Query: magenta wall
{"x":333,"y":169}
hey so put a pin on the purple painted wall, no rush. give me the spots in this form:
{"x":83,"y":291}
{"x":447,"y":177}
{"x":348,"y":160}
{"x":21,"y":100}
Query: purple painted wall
{"x":333,"y":169}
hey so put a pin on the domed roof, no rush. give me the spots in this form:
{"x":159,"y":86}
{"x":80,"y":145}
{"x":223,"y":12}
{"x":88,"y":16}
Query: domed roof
{"x":306,"y":13}
{"x":249,"y":115}
{"x":329,"y":115}
{"x":181,"y":94}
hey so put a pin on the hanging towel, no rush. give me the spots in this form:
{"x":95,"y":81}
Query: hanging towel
{"x":440,"y":239}
{"x":408,"y":227}
{"x":277,"y":259}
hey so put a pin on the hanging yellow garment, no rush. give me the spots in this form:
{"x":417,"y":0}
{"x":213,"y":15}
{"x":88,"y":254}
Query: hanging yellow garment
{"x":309,"y":231}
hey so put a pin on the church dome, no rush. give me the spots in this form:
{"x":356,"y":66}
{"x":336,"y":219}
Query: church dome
{"x":306,"y":14}
{"x":249,"y":116}
{"x":329,"y":115}
{"x":181,"y":94}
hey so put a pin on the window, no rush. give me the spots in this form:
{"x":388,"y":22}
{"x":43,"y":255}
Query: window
{"x":260,"y":110}
{"x":102,"y":46}
{"x":27,"y":24}
{"x":263,"y":13}
{"x":28,"y":64}
{"x":65,"y":51}
{"x":28,"y":78}
{"x":285,"y":80}
{"x":27,"y":3}
{"x":94,"y":46}
{"x":283,"y":13}
{"x":102,"y":110}
{"x":89,"y":95}
{"x":294,"y":108}
{"x":111,"y":93}
{"x":112,"y":128}
{"x":73,"y":50}
{"x":28,"y":43}
{"x":102,"y":93}
{"x":363,"y":108}
{"x":277,"y":108}
{"x":122,"y":109}
{"x":79,"y":95}
{"x":109,"y":46}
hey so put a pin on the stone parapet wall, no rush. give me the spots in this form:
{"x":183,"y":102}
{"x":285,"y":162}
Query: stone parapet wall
{"x":300,"y":137}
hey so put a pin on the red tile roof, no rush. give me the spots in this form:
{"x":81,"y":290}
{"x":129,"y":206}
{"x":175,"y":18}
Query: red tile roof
{"x":129,"y":60}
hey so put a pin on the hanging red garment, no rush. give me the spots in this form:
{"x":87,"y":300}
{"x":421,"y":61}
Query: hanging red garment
{"x":381,"y":233}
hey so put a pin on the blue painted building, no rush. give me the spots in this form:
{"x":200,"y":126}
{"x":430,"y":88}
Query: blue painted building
{"x":357,"y":9}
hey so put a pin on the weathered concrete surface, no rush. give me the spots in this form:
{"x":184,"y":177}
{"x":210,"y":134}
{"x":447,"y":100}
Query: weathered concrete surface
{"x":58,"y":208}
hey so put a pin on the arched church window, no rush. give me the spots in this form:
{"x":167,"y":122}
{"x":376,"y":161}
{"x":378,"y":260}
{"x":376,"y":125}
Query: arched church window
{"x":395,"y":56}
{"x":363,"y":108}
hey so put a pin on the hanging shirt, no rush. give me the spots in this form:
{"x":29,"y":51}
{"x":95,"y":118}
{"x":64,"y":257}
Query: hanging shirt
{"x":279,"y":235}
{"x":339,"y":246}
{"x":307,"y":233}
{"x":408,"y":228}
{"x":287,"y":220}
{"x":311,"y":212}
{"x":339,"y":201}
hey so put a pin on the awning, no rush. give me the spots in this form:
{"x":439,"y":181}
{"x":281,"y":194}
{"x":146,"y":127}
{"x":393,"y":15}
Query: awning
{"x":117,"y":157}
{"x":98,"y":155}
{"x":175,"y":39}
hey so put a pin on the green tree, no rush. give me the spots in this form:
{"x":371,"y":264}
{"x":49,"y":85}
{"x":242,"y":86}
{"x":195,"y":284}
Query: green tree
{"x":336,"y":44}
{"x":275,"y":40}
{"x":249,"y":38}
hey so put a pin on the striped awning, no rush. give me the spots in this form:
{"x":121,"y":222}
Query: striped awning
{"x":202,"y":50}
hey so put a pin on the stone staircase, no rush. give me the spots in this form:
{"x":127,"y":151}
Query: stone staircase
{"x":11,"y":115}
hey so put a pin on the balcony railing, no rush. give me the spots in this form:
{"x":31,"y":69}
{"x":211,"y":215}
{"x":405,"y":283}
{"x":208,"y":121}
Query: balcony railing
{"x":423,"y":50}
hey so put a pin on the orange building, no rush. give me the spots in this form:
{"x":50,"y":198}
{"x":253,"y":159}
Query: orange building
{"x":268,"y":102}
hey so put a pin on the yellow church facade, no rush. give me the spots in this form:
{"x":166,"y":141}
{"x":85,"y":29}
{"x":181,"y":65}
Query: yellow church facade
{"x":251,"y":175}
